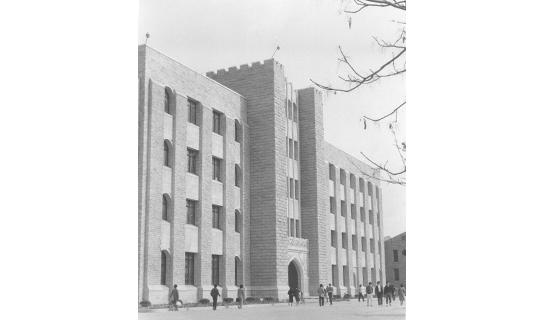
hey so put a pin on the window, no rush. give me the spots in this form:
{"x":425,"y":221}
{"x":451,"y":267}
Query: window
{"x":333,"y":238}
{"x":395,"y":256}
{"x":193,"y":116}
{"x":237,"y":221}
{"x":378,"y":219}
{"x":296,"y":152}
{"x":216,"y":217}
{"x":217,"y":123}
{"x":396,"y":274}
{"x":332,"y":205}
{"x":335,"y":281}
{"x":354,"y":242}
{"x":216,"y":169}
{"x":165,"y":207}
{"x":237,"y":263}
{"x":403,"y":252}
{"x":167,"y":148}
{"x":371,"y":217}
{"x":192,"y":160}
{"x":371,"y":243}
{"x":289,"y":109}
{"x":331,"y":172}
{"x":238,"y":131}
{"x":189,"y":268}
{"x":191,"y":212}
{"x":343,"y":208}
{"x":296,"y":190}
{"x":237,"y":176}
{"x":344,"y":240}
{"x":163,"y":267}
{"x":362,"y":214}
{"x":292,"y":228}
{"x":346,"y":275}
{"x":353,"y":213}
{"x":167,"y":100}
{"x":342,"y":177}
{"x":363,"y":244}
{"x":215,"y":269}
{"x":291,"y":183}
{"x":298,"y":233}
{"x":290,"y":149}
{"x":295,"y":112}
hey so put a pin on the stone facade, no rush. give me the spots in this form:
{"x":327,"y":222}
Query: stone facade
{"x":261,"y":187}
{"x":396,"y":262}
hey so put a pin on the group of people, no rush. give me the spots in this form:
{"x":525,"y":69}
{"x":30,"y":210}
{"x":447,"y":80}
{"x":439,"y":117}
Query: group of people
{"x":173,"y":298}
{"x":295,"y":294}
{"x":388,"y":291}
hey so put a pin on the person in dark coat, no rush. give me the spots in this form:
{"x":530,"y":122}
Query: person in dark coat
{"x":330,"y":291}
{"x":290,"y":296}
{"x":388,"y":290}
{"x":240,"y":294}
{"x":297,"y":295}
{"x":214,"y":293}
{"x":173,"y":299}
{"x":321,"y":292}
{"x":379,"y":292}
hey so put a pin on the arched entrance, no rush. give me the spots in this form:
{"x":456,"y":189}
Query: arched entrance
{"x":293,"y":275}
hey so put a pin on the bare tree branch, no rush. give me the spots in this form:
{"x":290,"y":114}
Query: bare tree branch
{"x":387,"y":115}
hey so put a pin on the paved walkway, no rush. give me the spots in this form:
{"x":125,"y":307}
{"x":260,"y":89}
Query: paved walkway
{"x":340,"y":310}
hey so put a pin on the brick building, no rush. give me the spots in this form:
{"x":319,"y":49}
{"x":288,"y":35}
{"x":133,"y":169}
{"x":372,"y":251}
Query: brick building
{"x":396,"y":259}
{"x":238,"y":186}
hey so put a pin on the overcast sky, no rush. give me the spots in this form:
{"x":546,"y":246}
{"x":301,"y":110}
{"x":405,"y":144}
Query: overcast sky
{"x":208,"y":35}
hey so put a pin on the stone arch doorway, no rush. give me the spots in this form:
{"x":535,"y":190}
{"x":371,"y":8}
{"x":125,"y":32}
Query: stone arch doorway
{"x":294,"y":280}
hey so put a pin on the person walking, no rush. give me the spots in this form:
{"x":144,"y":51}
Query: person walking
{"x":297,"y":292}
{"x":290,"y":296}
{"x":321,"y":293}
{"x":369,"y":291}
{"x":214,"y":293}
{"x":401,"y":294}
{"x":392,"y":290}
{"x":302,"y":300}
{"x":379,"y":291}
{"x":173,"y":299}
{"x":360,"y":293}
{"x":387,"y":293}
{"x":240,"y":295}
{"x":330,"y":291}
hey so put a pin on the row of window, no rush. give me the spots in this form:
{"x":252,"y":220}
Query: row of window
{"x":396,"y":255}
{"x":343,"y":211}
{"x":192,"y":213}
{"x":292,"y":111}
{"x":193,"y":164}
{"x":194,"y":116}
{"x":332,"y":176}
{"x":333,"y":241}
{"x":294,"y":227}
{"x":345,"y":274}
{"x":190,"y":259}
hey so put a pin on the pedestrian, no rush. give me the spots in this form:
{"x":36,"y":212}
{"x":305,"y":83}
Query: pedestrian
{"x":401,"y":294}
{"x":302,"y":300}
{"x":330,"y":291}
{"x":297,"y":296}
{"x":369,"y":291}
{"x":379,"y":291}
{"x":214,"y":293}
{"x":321,"y":293}
{"x":173,"y":299}
{"x":360,"y":293}
{"x":387,"y":293}
{"x":290,"y":296}
{"x":240,"y":296}
{"x":392,"y":290}
{"x":325,"y":296}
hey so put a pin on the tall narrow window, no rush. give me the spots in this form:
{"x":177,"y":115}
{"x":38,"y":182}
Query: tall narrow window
{"x":238,"y":131}
{"x":295,"y":112}
{"x":363,"y":244}
{"x":165,"y":207}
{"x":354,"y":242}
{"x":353,"y":212}
{"x":371,"y":244}
{"x":237,"y":176}
{"x":342,"y":177}
{"x":216,"y":217}
{"x":292,"y":228}
{"x":332,"y":205}
{"x":290,"y":149}
{"x":333,"y":238}
{"x":163,"y":267}
{"x":217,"y":123}
{"x":395,"y":256}
{"x":362,"y":210}
{"x":167,"y":100}
{"x":331,"y":172}
{"x":167,"y":162}
{"x":291,"y":188}
{"x":191,"y":212}
{"x":343,"y":208}
{"x":237,"y":221}
{"x":289,"y":109}
{"x":378,"y":219}
{"x":396,"y":274}
{"x":346,"y":275}
{"x":298,"y":229}
{"x":296,"y":190}
{"x":216,"y":169}
{"x":371,"y":217}
{"x":193,"y":116}
{"x":335,"y":281}
{"x":237,"y":271}
{"x":344,"y":240}
{"x":192,"y":160}
{"x":215,"y":269}
{"x":190,"y":268}
{"x":296,"y":152}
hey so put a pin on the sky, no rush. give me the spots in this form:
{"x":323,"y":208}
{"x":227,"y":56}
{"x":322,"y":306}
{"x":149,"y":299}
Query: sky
{"x":208,"y":35}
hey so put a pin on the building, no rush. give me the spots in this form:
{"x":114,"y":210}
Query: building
{"x":238,"y":186}
{"x":395,"y":259}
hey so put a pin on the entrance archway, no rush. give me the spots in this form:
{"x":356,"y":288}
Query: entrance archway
{"x":293,"y":276}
